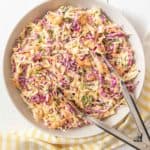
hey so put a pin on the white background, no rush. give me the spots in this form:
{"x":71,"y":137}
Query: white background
{"x":11,"y":11}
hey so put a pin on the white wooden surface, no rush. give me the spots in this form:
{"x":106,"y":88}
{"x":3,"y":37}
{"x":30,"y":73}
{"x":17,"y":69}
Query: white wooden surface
{"x":137,"y":11}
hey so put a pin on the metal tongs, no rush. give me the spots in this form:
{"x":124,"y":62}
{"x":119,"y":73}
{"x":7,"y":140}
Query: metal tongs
{"x":142,"y":141}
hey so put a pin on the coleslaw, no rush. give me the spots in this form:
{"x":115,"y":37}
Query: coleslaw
{"x":52,"y":65}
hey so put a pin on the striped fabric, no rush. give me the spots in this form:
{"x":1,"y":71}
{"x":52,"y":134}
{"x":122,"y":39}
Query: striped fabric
{"x":34,"y":139}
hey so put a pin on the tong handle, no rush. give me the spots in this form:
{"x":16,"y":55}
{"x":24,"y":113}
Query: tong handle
{"x":135,"y":113}
{"x":116,"y":133}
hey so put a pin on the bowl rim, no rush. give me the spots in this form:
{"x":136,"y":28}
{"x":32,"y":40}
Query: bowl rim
{"x":12,"y":32}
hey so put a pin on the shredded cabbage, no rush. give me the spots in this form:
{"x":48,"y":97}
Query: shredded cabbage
{"x":51,"y":65}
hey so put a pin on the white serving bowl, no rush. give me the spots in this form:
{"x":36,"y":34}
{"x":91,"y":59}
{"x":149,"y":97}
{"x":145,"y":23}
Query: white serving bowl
{"x":39,"y":11}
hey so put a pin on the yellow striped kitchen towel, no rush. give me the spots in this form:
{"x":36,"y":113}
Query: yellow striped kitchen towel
{"x":34,"y":139}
